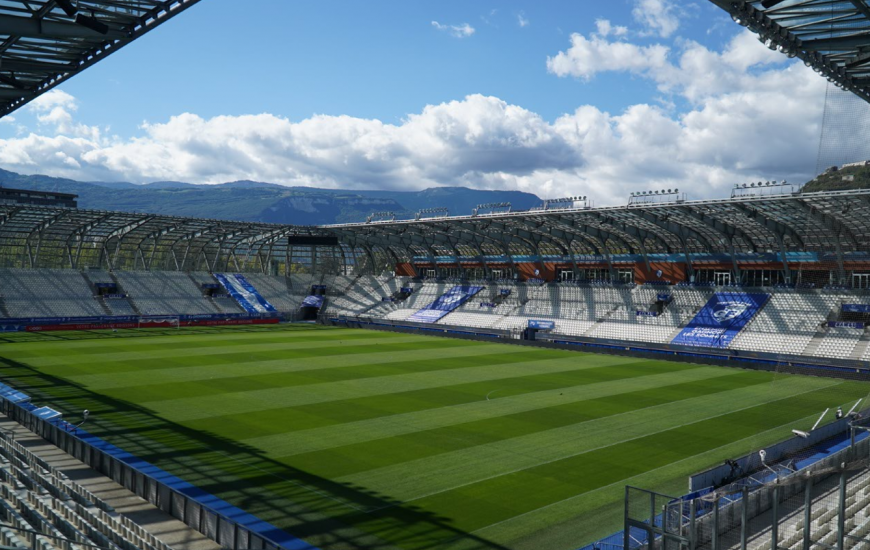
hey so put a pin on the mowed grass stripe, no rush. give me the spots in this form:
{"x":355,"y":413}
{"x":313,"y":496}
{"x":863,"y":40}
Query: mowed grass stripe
{"x":103,"y":342}
{"x":184,"y":409}
{"x":414,"y":479}
{"x":354,"y":459}
{"x":211,"y":371}
{"x":197,"y":354}
{"x":650,"y":377}
{"x":307,"y":376}
{"x":477,"y":505}
{"x":274,"y":420}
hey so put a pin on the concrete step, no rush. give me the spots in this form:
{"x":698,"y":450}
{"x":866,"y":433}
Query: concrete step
{"x":150,"y":518}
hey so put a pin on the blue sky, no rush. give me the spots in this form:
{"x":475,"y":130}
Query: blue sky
{"x":381,"y":59}
{"x":557,"y":97}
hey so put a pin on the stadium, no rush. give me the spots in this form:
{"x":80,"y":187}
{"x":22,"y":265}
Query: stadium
{"x":666,"y":373}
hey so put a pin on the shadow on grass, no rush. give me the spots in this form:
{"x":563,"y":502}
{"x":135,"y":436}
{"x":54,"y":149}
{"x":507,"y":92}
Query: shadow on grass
{"x":325,"y":513}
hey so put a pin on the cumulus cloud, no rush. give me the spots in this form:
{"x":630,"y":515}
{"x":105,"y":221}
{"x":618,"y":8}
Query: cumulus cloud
{"x":459,"y":31}
{"x":659,"y":17}
{"x":606,"y":28}
{"x":738,"y":126}
{"x":694,"y":71}
{"x":589,"y":56}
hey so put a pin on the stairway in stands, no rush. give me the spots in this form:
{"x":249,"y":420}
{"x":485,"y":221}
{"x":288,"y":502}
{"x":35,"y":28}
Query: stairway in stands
{"x":813,"y":346}
{"x":3,"y":311}
{"x":100,"y":300}
{"x":128,"y":299}
{"x":211,"y":301}
{"x":861,"y":348}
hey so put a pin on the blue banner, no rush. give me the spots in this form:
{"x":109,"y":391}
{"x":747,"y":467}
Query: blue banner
{"x":244,"y":293}
{"x":407,"y":290}
{"x":642,"y":313}
{"x":505,"y":292}
{"x":312,"y":301}
{"x":664,"y":297}
{"x":12,"y":395}
{"x":318,"y":287}
{"x":542,"y":325}
{"x":718,"y":322}
{"x":451,"y":300}
{"x":105,"y":285}
{"x":856,"y":308}
{"x":210,"y":285}
{"x":845,"y":324}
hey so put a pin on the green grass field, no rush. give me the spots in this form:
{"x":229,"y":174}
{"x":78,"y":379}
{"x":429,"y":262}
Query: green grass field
{"x":374,"y":440}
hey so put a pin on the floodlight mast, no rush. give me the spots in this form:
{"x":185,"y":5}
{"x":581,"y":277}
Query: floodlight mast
{"x":662,"y":196}
{"x":764,"y":189}
{"x":493,"y":207}
{"x":435,"y":213}
{"x":381,"y":217}
{"x":567,"y":203}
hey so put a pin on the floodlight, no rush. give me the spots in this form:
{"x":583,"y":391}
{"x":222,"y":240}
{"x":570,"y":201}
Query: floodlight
{"x":85,"y":414}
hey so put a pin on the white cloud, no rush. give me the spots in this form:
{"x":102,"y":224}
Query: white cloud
{"x":459,"y":31}
{"x":606,"y":28}
{"x":54,"y":110}
{"x":660,"y":17}
{"x":694,"y":71}
{"x":588,"y":56}
{"x":740,"y":125}
{"x":522,"y":20}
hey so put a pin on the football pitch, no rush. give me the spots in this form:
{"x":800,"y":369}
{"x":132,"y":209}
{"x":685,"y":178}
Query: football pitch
{"x":355,"y":439}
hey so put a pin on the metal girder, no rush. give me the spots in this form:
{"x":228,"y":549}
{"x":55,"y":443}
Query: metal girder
{"x":831,"y":36}
{"x":726,"y":229}
{"x":29,"y":27}
{"x":779,"y":230}
{"x":637,"y":232}
{"x":41,"y":46}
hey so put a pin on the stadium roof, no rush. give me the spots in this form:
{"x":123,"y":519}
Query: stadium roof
{"x":45,"y":42}
{"x":53,"y":237}
{"x":826,"y":223}
{"x":831,"y":36}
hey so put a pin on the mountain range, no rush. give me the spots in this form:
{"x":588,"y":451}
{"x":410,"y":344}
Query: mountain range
{"x":264,"y":202}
